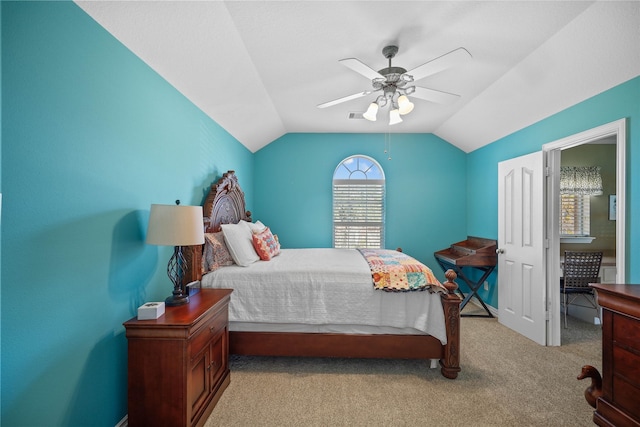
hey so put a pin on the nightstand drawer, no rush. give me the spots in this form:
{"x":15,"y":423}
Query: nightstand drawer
{"x":207,"y":370}
{"x":205,"y":334}
{"x":219,"y":356}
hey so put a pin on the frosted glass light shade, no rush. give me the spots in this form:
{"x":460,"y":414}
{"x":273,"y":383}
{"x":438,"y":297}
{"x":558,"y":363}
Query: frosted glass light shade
{"x":371,"y":112}
{"x":394,"y":117}
{"x":404,"y":105}
{"x":175,"y":225}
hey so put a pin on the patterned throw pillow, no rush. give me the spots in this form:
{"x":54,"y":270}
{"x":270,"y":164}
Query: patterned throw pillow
{"x":215,"y":254}
{"x":265,"y":244}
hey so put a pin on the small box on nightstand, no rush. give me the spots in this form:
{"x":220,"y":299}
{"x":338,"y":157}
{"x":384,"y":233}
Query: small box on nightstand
{"x":193,"y":288}
{"x":150,"y":310}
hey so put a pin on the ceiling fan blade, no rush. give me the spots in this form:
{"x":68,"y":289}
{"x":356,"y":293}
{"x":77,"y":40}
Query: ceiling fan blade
{"x":441,"y":63}
{"x":361,"y":68}
{"x":345,"y":99}
{"x":434,"y":95}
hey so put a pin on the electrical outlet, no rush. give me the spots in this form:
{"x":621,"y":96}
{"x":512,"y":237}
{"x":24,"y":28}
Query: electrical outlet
{"x":486,"y":285}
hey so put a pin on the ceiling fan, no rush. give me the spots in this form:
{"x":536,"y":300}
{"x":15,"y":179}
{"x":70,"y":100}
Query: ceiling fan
{"x":395,"y":83}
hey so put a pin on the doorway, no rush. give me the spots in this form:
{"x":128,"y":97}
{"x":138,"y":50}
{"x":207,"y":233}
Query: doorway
{"x":616,"y":132}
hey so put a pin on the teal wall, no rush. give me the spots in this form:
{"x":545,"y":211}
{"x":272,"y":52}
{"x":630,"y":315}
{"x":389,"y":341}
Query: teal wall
{"x":622,"y":101}
{"x":425,"y":187}
{"x":0,"y":208}
{"x":91,"y":137}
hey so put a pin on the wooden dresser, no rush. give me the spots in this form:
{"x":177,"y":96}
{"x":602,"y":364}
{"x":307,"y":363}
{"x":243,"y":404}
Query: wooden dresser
{"x":619,"y":404}
{"x":179,"y":363}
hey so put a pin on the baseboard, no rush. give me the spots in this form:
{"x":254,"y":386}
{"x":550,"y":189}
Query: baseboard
{"x":124,"y":422}
{"x":493,"y":311}
{"x":586,"y":314}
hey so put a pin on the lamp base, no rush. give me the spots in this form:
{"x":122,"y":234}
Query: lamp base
{"x":177,"y":299}
{"x":175,"y":271}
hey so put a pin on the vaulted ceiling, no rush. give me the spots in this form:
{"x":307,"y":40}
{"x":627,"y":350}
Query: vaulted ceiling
{"x":260,"y":68}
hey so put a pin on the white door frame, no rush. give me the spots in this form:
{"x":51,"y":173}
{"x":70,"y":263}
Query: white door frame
{"x":551,"y":152}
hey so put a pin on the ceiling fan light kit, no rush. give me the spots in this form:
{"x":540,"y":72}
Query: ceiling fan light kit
{"x":394,"y":117}
{"x":393,"y":82}
{"x":371,"y":112}
{"x":405,"y":106}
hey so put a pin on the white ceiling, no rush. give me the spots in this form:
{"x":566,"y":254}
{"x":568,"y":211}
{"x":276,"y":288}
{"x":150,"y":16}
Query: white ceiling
{"x":260,"y":68}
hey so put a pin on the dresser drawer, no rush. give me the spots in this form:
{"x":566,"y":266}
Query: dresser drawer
{"x":625,"y":396}
{"x":203,"y":335}
{"x":626,"y":365}
{"x":626,"y":332}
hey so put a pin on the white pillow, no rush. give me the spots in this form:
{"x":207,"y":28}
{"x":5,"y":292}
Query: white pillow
{"x":256,"y":227}
{"x":239,"y":242}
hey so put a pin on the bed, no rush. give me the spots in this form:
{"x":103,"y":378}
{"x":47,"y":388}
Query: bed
{"x":413,"y":325}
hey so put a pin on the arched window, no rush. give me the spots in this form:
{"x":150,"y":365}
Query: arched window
{"x":358,"y":204}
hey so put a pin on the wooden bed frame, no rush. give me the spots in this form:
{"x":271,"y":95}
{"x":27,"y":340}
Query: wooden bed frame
{"x":225,"y":204}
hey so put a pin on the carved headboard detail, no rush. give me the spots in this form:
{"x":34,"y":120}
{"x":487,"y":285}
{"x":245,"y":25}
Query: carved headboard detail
{"x":224,"y":204}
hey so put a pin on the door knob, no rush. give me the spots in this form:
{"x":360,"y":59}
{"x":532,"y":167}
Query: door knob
{"x":499,"y":251}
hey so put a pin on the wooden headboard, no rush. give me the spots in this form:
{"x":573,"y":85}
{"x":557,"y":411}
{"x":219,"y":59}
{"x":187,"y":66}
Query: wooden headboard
{"x":224,"y":204}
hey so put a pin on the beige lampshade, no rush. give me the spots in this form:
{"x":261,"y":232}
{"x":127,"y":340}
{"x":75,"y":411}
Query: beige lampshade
{"x":175,"y":225}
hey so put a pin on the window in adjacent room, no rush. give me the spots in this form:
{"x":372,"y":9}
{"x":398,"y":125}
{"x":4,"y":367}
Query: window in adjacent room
{"x":358,"y":204}
{"x":577,"y":185}
{"x":574,"y":215}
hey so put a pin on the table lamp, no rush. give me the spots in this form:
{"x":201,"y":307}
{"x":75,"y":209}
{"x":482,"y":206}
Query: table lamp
{"x":177,"y":226}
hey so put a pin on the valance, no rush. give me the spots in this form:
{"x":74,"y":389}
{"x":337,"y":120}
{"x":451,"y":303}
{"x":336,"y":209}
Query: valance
{"x":581,"y":180}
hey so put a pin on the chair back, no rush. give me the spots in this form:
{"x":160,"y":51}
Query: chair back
{"x":581,"y":268}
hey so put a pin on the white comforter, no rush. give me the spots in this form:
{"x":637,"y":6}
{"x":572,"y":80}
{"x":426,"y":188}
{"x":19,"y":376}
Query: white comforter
{"x":323,"y":287}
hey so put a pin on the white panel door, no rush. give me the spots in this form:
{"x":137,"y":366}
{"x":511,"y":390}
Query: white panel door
{"x":521,"y":266}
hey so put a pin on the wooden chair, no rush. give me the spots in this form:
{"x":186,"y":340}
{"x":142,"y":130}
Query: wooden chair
{"x":580,"y":269}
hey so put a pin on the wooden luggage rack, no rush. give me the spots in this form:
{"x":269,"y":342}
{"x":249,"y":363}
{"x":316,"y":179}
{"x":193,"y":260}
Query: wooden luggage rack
{"x":477,"y":253}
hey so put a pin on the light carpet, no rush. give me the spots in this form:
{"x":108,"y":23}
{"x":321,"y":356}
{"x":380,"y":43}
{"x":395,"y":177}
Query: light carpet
{"x":506,"y":380}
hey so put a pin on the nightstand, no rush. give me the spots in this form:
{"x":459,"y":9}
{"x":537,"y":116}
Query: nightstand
{"x":179,"y":363}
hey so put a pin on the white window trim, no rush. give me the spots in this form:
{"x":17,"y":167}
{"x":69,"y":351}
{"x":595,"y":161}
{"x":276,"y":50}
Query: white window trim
{"x":365,"y":231}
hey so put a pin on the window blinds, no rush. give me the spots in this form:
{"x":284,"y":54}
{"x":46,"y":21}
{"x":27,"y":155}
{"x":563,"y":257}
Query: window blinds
{"x":358,"y":213}
{"x":574,"y":215}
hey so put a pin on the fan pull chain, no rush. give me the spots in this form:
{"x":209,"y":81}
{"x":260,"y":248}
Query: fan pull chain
{"x":387,"y":145}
